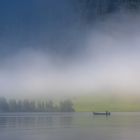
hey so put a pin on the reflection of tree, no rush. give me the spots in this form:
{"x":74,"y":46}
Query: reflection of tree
{"x":3,"y":122}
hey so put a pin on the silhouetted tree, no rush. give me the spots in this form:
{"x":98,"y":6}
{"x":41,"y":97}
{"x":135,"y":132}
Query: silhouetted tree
{"x":49,"y":106}
{"x":3,"y":105}
{"x":66,"y":106}
{"x":13,"y":105}
{"x":92,"y":9}
{"x":19,"y":106}
{"x":32,"y":106}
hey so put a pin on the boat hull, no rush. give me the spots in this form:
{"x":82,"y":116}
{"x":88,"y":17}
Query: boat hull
{"x":102,"y":113}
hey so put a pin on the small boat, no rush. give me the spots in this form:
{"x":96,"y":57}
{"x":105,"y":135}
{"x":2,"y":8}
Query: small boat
{"x":102,"y":113}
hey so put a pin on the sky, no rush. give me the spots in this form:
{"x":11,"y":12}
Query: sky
{"x":48,"y":49}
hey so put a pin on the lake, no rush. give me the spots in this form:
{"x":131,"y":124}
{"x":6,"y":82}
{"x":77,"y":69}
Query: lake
{"x":69,"y":126}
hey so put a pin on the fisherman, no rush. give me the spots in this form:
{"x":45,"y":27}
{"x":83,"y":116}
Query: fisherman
{"x":106,"y":113}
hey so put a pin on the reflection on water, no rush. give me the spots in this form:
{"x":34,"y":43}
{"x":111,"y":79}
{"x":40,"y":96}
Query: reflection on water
{"x":68,"y":126}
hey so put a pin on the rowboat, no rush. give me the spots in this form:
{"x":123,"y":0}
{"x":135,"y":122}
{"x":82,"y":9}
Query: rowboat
{"x":102,"y":113}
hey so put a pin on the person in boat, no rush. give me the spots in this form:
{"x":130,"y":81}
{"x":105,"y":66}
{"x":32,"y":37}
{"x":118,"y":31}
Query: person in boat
{"x":107,"y":113}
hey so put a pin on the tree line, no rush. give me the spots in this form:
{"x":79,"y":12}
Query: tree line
{"x":26,"y":105}
{"x":93,"y":8}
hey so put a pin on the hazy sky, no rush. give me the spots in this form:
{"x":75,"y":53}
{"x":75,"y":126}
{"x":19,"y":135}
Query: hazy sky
{"x":46,"y":48}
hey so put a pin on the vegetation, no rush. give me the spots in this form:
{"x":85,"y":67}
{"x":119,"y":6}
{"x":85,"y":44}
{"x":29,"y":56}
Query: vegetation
{"x":94,"y":8}
{"x":32,"y":106}
{"x":85,"y":103}
{"x":113,"y":103}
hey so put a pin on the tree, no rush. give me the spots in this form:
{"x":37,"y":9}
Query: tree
{"x":49,"y":106}
{"x":12,"y":105}
{"x":92,"y":9}
{"x":66,"y":106}
{"x":31,"y":106}
{"x":3,"y":105}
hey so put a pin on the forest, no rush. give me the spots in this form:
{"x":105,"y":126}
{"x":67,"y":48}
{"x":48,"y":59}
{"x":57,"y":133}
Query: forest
{"x":13,"y":105}
{"x":91,"y":9}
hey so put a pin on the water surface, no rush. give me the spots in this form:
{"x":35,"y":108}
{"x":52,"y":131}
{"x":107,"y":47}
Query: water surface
{"x":69,"y":126}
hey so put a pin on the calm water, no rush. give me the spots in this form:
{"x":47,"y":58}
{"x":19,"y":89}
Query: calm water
{"x":69,"y":126}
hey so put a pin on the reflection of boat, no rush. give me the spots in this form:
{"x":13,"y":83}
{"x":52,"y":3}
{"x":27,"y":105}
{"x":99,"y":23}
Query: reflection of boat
{"x":102,"y":113}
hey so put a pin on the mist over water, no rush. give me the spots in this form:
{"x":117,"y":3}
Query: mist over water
{"x":62,"y":55}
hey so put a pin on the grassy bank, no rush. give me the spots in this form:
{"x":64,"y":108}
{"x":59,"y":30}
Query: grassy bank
{"x":111,"y":103}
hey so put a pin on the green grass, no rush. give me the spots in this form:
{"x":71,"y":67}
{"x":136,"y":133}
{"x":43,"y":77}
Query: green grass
{"x":103,"y":103}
